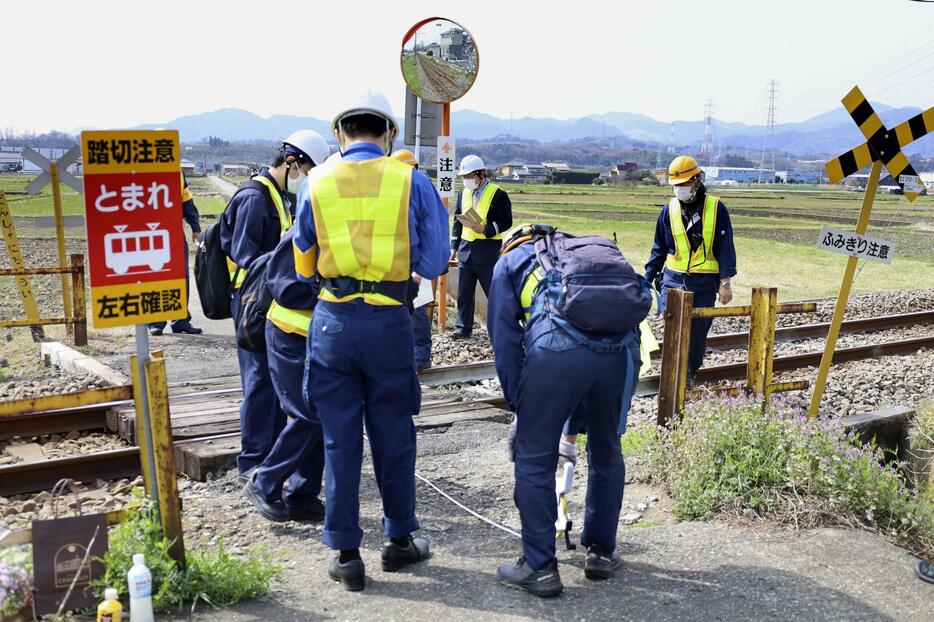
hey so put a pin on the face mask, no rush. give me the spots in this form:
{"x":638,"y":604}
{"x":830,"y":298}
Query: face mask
{"x":470,"y":183}
{"x":684,"y":193}
{"x":292,"y":184}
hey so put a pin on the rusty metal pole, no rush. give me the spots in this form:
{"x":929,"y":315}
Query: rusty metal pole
{"x":79,"y":324}
{"x":761,"y":341}
{"x":60,"y":235}
{"x":673,"y":375}
{"x":170,"y":507}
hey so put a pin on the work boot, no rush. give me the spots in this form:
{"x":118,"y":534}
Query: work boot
{"x":156,"y":332}
{"x":275,"y":511}
{"x":691,"y":379}
{"x":520,"y":576}
{"x":351,"y":574}
{"x":925,"y":570}
{"x":396,"y":557}
{"x":460,"y":334}
{"x":601,"y":565}
{"x":422,"y":365}
{"x":312,"y":512}
{"x":246,"y":475}
{"x":186,"y":328}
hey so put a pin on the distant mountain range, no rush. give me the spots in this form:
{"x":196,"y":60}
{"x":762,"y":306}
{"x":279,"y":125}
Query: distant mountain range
{"x":826,"y":134}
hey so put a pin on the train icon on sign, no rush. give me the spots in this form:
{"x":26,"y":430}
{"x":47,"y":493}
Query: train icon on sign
{"x":130,"y":249}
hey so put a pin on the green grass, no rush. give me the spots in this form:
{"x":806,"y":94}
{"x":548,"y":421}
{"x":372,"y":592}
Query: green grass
{"x":633,"y":442}
{"x":410,"y":74}
{"x":775,"y":230}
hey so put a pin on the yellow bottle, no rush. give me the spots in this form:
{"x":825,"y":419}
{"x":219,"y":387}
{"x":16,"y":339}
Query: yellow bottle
{"x":110,"y":610}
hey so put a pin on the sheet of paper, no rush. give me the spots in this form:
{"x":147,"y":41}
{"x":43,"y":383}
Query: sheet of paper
{"x":424,"y":294}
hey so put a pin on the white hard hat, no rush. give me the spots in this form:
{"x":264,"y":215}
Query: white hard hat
{"x":310,"y":143}
{"x":471,"y":164}
{"x":370,"y":102}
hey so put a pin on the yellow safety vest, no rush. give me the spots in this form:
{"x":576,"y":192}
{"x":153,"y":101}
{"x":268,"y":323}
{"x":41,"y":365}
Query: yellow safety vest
{"x":482,"y":209}
{"x":528,"y":291}
{"x":702,"y":261}
{"x":294,"y":321}
{"x":285,"y":223}
{"x":361,"y":215}
{"x":186,"y":193}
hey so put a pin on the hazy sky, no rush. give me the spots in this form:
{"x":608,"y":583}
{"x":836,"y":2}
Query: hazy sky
{"x":117,"y":64}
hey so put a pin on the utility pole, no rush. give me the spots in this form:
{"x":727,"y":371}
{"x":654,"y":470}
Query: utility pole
{"x":771,"y":95}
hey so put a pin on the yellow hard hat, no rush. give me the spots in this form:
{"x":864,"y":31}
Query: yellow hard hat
{"x":404,"y":155}
{"x":520,"y":234}
{"x":682,"y":169}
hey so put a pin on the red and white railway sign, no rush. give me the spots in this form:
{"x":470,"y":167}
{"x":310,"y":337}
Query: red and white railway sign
{"x":133,"y":215}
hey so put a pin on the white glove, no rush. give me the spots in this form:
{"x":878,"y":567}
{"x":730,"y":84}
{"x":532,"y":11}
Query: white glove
{"x":511,"y":440}
{"x":568,"y":451}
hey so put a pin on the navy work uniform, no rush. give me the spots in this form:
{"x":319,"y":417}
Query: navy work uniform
{"x":547,"y":375}
{"x":421,"y":329}
{"x":251,"y":226}
{"x":477,"y":252}
{"x":298,"y":452}
{"x":364,"y":224}
{"x":695,"y":263}
{"x":193,"y":218}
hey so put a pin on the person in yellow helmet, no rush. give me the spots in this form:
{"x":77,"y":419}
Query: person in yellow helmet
{"x":693,"y":250}
{"x":421,"y":321}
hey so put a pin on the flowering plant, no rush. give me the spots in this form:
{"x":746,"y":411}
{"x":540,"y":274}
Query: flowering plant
{"x":730,"y":455}
{"x":15,"y":580}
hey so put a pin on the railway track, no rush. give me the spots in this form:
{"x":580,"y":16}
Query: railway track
{"x":440,"y":81}
{"x":39,"y":475}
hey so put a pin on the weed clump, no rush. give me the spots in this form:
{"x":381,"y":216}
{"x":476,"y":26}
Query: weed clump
{"x":215,"y":576}
{"x":730,"y":456}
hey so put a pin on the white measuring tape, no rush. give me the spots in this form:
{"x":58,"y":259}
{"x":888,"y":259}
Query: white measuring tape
{"x":474,"y":513}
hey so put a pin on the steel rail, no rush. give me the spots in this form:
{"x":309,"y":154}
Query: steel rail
{"x":112,"y":464}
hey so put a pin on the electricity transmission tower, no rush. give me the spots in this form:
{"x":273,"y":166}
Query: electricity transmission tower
{"x":706,"y":152}
{"x":768,"y":149}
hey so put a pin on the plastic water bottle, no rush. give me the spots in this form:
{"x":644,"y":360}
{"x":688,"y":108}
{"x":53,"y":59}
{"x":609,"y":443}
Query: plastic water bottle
{"x":139,"y":581}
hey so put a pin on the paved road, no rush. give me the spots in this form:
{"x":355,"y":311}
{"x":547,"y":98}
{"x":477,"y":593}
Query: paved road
{"x":673,"y":571}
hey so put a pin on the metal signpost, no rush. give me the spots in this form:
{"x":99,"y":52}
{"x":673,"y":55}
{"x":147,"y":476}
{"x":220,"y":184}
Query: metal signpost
{"x":883,"y":146}
{"x":422,"y":121}
{"x":136,"y":261}
{"x":439,"y":63}
{"x":446,"y":167}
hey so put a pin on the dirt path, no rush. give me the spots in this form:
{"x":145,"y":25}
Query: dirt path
{"x":223,"y":186}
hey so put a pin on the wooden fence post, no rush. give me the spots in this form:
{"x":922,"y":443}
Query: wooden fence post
{"x":673,"y":376}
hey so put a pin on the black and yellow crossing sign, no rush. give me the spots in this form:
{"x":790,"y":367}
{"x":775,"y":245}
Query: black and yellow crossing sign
{"x":881,"y":144}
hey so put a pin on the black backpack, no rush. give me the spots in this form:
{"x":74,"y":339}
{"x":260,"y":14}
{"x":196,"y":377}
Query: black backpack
{"x":212,"y":276}
{"x":255,"y":299}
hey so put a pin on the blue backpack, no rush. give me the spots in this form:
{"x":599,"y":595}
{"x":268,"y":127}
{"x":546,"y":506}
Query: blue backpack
{"x":592,"y":292}
{"x":589,"y":284}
